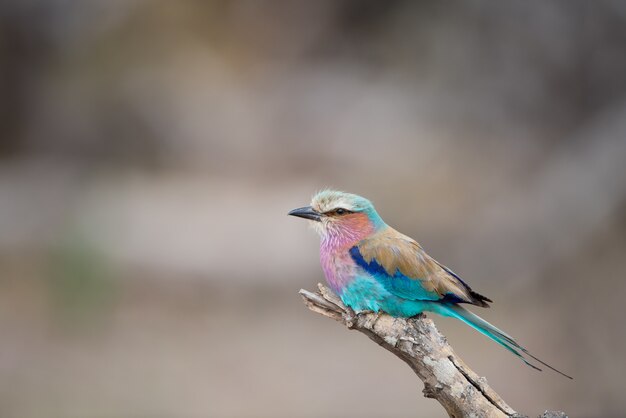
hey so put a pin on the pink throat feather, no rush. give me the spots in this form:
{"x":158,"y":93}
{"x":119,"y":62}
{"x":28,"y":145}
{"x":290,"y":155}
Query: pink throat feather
{"x":338,"y":266}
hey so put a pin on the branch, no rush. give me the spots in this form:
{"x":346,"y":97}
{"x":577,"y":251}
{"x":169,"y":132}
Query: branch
{"x":416,"y":341}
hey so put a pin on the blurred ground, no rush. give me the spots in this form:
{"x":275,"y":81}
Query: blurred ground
{"x":150,"y":150}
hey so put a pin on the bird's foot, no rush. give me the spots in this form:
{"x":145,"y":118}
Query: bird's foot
{"x":349,"y":317}
{"x":377,"y":315}
{"x":370,"y":316}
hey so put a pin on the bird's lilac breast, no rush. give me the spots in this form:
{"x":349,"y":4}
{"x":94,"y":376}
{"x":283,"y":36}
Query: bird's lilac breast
{"x":339,"y":269}
{"x":349,"y":281}
{"x":343,"y":274}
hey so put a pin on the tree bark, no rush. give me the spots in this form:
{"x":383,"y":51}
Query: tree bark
{"x":419,"y":344}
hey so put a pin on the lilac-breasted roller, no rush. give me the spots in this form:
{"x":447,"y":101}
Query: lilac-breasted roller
{"x":373,"y":267}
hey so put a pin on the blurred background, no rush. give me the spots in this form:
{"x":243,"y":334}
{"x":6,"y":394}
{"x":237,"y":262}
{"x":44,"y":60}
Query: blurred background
{"x":150,"y":151}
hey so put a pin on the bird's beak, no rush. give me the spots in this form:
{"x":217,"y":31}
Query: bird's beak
{"x":306,"y":212}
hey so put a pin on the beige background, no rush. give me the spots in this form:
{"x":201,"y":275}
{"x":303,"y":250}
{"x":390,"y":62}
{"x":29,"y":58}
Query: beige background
{"x":151,"y":150}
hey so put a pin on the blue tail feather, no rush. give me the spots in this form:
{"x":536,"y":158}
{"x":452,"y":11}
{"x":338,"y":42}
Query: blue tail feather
{"x":484,"y":327}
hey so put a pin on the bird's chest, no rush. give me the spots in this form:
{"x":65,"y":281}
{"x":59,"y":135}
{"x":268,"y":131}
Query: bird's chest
{"x":339,"y":269}
{"x":356,"y":289}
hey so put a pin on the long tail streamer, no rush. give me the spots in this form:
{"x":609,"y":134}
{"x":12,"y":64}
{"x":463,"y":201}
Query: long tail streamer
{"x":495,"y":334}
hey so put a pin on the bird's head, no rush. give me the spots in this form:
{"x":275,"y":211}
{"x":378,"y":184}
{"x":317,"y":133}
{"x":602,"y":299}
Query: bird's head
{"x":336,"y":214}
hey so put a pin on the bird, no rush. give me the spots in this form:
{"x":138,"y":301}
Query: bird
{"x":374,"y":268}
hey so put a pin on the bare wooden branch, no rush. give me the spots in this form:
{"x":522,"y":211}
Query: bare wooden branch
{"x":418,"y":343}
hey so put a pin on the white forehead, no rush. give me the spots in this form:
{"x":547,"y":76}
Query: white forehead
{"x":328,"y":200}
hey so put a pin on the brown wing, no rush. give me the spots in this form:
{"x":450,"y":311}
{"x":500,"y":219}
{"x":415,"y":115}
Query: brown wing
{"x":402,"y":261}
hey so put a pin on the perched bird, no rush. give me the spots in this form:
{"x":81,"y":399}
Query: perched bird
{"x":373,"y":267}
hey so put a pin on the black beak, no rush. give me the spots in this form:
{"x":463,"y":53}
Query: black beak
{"x":306,"y":212}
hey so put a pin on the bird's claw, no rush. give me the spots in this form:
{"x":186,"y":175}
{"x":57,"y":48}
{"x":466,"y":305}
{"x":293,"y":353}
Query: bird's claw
{"x":349,"y":317}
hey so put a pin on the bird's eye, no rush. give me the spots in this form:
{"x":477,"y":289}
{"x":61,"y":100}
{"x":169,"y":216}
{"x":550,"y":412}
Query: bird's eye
{"x":341,"y":211}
